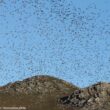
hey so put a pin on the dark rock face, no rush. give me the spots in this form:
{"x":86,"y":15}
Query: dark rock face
{"x":93,"y":97}
{"x":77,"y":99}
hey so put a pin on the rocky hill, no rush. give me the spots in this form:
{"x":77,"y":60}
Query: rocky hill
{"x":35,"y":93}
{"x":95,"y":97}
{"x":49,"y":93}
{"x":42,"y":84}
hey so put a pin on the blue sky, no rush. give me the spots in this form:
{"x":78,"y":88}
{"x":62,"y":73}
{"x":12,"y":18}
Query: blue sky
{"x":69,"y":39}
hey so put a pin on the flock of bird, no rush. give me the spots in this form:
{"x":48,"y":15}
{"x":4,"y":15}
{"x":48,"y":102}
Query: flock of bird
{"x":54,"y":37}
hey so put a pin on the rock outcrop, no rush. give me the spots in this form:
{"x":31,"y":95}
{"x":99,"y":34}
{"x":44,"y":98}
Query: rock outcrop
{"x":94,"y":97}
